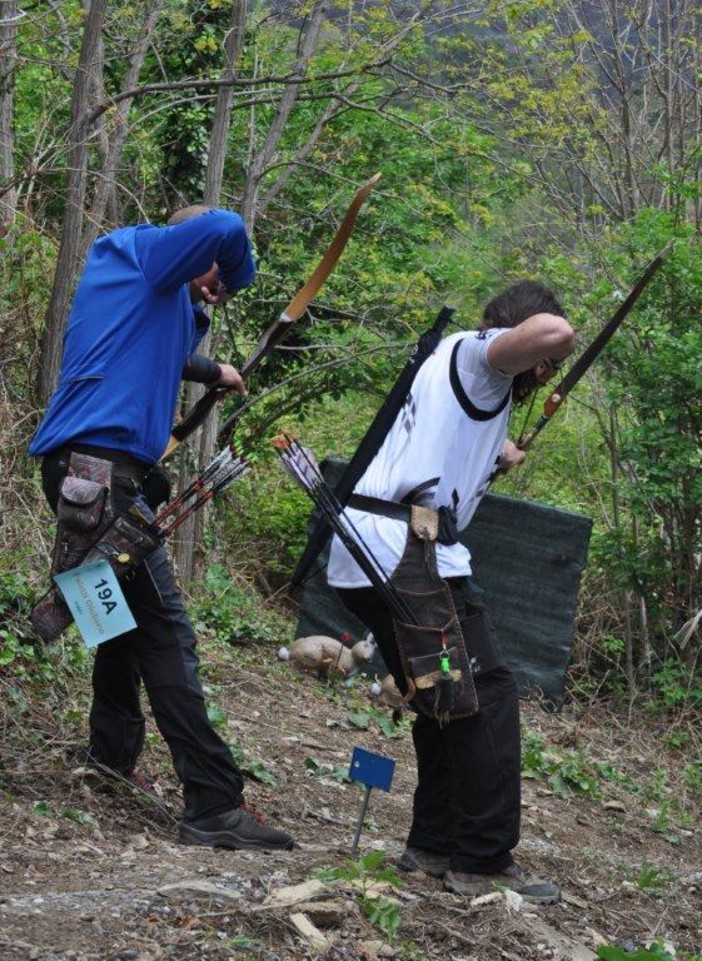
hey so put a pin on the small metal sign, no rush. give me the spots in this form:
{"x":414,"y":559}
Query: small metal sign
{"x":373,"y":770}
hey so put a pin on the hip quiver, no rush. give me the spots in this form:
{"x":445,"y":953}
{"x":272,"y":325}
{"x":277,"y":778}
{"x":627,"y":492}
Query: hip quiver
{"x":431,"y":645}
{"x":89,"y":530}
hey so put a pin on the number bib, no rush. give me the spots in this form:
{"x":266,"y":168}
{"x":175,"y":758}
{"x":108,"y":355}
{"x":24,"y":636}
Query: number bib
{"x":96,"y":601}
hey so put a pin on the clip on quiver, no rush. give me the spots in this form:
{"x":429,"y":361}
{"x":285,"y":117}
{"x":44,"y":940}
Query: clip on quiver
{"x":87,"y":531}
{"x":432,"y":650}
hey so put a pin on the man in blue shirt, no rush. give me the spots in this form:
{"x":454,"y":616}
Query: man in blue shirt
{"x":135,"y":323}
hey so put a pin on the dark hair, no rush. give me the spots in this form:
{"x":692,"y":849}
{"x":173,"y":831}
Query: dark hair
{"x":511,"y":308}
{"x":518,"y":302}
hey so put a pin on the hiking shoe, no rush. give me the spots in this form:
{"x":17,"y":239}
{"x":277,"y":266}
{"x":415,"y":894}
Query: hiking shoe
{"x":143,"y":781}
{"x":87,"y":763}
{"x":531,"y":888}
{"x":137,"y":778}
{"x":240,"y":828}
{"x":417,"y":859}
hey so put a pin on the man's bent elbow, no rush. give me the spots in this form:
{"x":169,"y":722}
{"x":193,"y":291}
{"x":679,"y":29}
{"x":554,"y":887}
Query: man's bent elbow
{"x":557,"y":336}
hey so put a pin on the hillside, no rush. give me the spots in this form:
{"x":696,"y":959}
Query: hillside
{"x":91,"y":870}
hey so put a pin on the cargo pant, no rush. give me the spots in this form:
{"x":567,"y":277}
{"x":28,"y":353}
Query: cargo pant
{"x":468,"y":795}
{"x":160,"y":653}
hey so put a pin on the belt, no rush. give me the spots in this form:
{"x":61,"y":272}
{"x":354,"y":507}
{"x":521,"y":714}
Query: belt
{"x":448,"y":532}
{"x":376,"y":505}
{"x":124,"y":464}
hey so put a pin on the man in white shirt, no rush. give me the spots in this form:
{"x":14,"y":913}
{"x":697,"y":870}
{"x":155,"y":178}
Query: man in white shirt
{"x":440,"y":453}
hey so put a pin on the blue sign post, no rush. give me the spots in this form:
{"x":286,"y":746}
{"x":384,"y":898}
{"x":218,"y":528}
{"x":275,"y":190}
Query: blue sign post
{"x":372,"y":770}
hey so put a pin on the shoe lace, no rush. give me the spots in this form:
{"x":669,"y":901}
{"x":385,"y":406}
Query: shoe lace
{"x":253,"y":812}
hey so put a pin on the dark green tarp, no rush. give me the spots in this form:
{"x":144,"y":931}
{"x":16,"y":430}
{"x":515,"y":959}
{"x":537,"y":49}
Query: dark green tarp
{"x":527,"y":558}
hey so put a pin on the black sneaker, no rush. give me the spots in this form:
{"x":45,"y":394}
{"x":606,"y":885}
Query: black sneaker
{"x":418,"y":859}
{"x":531,"y":888}
{"x":239,"y":828}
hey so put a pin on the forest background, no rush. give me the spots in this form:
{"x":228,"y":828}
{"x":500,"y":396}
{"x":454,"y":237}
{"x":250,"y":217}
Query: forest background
{"x":557,"y":139}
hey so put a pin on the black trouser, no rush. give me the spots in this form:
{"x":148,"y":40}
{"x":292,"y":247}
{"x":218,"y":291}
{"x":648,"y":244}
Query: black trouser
{"x":467,"y":801}
{"x":160,"y":651}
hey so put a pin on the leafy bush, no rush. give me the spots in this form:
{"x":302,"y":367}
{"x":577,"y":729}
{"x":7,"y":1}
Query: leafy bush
{"x":231,"y":611}
{"x":567,"y":773}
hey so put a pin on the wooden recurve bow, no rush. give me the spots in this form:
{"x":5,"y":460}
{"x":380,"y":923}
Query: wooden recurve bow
{"x":593,"y":350}
{"x":196,"y":416}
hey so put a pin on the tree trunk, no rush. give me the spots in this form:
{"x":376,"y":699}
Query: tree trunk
{"x":69,"y":250}
{"x":9,"y":15}
{"x":187,"y":556}
{"x":108,"y":181}
{"x":262,"y":158}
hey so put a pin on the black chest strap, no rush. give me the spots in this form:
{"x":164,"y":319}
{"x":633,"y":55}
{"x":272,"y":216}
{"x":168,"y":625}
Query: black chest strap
{"x":475,"y":413}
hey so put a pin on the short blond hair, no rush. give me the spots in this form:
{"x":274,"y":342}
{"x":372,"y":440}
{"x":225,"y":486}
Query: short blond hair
{"x":187,"y":213}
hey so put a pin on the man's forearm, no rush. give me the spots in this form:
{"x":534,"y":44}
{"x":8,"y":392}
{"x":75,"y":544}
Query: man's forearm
{"x":201,"y":370}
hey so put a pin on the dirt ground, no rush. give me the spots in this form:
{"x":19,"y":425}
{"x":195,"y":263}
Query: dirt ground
{"x":90,"y":868}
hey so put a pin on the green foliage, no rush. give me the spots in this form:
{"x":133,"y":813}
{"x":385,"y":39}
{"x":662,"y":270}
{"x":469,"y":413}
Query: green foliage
{"x":272,"y":527}
{"x":676,"y":686}
{"x":369,"y":869}
{"x":363,"y":718}
{"x":362,"y":874}
{"x":255,"y":768}
{"x":324,"y":772}
{"x":385,"y":913}
{"x":566,"y":773}
{"x":216,"y":716}
{"x":655,"y":384}
{"x":656,"y":952}
{"x":652,"y":880}
{"x":692,"y":777}
{"x":18,"y":654}
{"x":231,"y":611}
{"x":45,"y":810}
{"x":77,"y":815}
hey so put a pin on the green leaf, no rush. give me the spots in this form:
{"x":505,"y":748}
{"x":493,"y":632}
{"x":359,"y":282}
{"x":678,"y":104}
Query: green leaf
{"x":75,"y":814}
{"x":359,"y":719}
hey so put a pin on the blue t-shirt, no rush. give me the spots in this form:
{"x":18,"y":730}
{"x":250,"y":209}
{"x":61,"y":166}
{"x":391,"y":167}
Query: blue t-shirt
{"x":131,"y":329}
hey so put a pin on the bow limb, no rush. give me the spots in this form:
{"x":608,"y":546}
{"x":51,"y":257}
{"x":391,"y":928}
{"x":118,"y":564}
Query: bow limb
{"x":277,"y":330}
{"x":555,"y":399}
{"x":594,"y":348}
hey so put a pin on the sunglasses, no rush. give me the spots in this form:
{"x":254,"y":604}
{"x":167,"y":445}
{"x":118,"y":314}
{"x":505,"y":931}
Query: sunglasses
{"x":551,"y":365}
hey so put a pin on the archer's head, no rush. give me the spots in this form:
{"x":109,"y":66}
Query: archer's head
{"x":207,"y":286}
{"x":512,"y":307}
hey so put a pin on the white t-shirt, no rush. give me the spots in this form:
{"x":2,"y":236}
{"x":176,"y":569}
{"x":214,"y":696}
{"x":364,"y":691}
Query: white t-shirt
{"x":440,"y":451}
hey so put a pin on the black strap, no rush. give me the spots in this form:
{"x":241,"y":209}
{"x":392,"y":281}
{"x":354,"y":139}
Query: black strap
{"x":125,"y":465}
{"x":402,"y":511}
{"x":376,"y":505}
{"x":469,"y":408}
{"x":373,"y":439}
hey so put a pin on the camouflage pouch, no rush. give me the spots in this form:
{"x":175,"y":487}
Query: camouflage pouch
{"x":80,"y":513}
{"x":83,"y":512}
{"x":126,"y":542}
